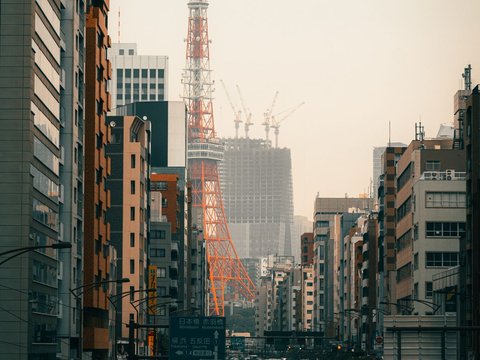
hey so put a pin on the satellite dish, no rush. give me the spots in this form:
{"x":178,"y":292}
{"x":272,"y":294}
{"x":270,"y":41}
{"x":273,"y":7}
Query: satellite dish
{"x":113,"y":124}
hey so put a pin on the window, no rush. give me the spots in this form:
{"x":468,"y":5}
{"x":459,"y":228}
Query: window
{"x":322,"y":223}
{"x":404,"y":209}
{"x":162,"y":291}
{"x":132,"y":266}
{"x":415,"y":261}
{"x":321,"y":269}
{"x":445,"y":229}
{"x":445,"y":199}
{"x":157,"y":252}
{"x":136,"y":73}
{"x":132,"y":187}
{"x":132,"y":239}
{"x":404,"y":177}
{"x":157,"y":234}
{"x":441,"y":259}
{"x":428,"y":289}
{"x":128,"y":73}
{"x":415,"y":291}
{"x":132,"y":213}
{"x":321,"y":252}
{"x":153,"y":73}
{"x":159,"y":185}
{"x":161,"y":73}
{"x":404,"y":272}
{"x":131,"y":52}
{"x":144,"y":73}
{"x":133,"y":161}
{"x":162,"y":272}
{"x":321,"y":237}
{"x":132,"y":294}
{"x":432,"y":165}
{"x":404,"y":241}
{"x":121,"y":52}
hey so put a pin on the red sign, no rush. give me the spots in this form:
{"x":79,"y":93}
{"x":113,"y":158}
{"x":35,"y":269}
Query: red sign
{"x":379,"y":339}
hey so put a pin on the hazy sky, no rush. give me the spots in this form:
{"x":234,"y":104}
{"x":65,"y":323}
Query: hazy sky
{"x":357,"y":64}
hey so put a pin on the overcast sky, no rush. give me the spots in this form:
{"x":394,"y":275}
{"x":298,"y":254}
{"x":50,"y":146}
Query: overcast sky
{"x":357,"y":64}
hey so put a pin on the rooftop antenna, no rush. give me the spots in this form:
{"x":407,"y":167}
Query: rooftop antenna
{"x":419,"y":131}
{"x":118,"y":35}
{"x":389,"y":134}
{"x":467,"y":77}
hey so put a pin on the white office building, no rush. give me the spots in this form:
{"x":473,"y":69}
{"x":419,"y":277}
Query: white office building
{"x":136,"y":77}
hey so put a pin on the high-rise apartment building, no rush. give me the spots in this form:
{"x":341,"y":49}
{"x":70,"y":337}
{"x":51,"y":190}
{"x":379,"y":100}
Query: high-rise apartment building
{"x":386,"y":195}
{"x":325,"y":234}
{"x":256,"y":182}
{"x":129,"y":154}
{"x":470,"y":244}
{"x":378,"y":153}
{"x":71,"y":174}
{"x":430,"y":216}
{"x":30,"y":118}
{"x":136,"y":77}
{"x":97,"y":264}
{"x":306,"y":251}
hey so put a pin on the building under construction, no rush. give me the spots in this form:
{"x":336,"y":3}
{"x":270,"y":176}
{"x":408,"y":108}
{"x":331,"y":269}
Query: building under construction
{"x":256,"y":182}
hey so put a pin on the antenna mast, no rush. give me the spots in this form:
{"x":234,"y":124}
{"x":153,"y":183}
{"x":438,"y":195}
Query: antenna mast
{"x":118,"y":35}
{"x":204,"y":152}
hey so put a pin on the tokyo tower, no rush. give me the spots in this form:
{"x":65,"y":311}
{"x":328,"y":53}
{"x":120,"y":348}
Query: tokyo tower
{"x":204,"y":152}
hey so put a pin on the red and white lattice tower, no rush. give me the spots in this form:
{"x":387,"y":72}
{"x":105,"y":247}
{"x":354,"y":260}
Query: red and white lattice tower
{"x":204,"y":153}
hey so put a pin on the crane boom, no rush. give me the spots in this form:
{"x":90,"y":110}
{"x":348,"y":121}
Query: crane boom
{"x":236,"y":113}
{"x":276,"y":123}
{"x":268,"y":114}
{"x":246,"y":111}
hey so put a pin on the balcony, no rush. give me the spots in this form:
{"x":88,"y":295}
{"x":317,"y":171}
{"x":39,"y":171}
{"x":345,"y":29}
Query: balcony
{"x":447,"y":175}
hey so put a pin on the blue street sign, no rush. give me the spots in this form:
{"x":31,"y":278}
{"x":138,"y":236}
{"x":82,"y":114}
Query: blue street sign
{"x":197,"y":338}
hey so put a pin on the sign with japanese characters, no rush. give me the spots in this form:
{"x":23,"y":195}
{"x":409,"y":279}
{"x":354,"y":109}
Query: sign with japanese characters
{"x":197,"y":338}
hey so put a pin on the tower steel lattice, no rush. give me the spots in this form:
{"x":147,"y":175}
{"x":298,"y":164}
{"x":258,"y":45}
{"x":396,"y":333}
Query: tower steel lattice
{"x":204,"y":153}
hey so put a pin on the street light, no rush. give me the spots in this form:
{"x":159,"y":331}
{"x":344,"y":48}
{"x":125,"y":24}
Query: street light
{"x":77,"y":297}
{"x":137,"y":303}
{"x":119,"y":297}
{"x":19,"y":251}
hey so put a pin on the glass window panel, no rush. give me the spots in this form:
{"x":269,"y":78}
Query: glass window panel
{"x":45,"y":125}
{"x":43,"y":184}
{"x":46,"y":97}
{"x":46,"y":67}
{"x":43,"y":154}
{"x":52,"y":45}
{"x":43,"y":214}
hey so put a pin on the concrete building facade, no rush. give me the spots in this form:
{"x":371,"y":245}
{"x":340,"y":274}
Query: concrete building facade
{"x":325,"y":235}
{"x":429,"y":171}
{"x":97,"y":266}
{"x":71,"y":173}
{"x":30,"y":118}
{"x":129,"y":153}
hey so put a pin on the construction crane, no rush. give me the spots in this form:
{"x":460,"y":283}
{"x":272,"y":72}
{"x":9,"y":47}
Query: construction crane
{"x":268,"y":115}
{"x":236,"y":113}
{"x":276,"y":123}
{"x":246,"y":111}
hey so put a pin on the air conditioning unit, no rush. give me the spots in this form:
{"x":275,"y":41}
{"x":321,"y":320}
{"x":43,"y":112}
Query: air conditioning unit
{"x":435,"y":175}
{"x":450,"y":174}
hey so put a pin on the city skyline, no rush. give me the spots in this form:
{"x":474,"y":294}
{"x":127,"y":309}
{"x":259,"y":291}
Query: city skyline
{"x":405,"y":53}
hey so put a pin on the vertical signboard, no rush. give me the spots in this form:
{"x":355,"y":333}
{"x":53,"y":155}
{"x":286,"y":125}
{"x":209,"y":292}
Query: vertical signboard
{"x":152,"y":284}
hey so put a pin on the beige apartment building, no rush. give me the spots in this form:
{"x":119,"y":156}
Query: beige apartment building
{"x":430,"y":215}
